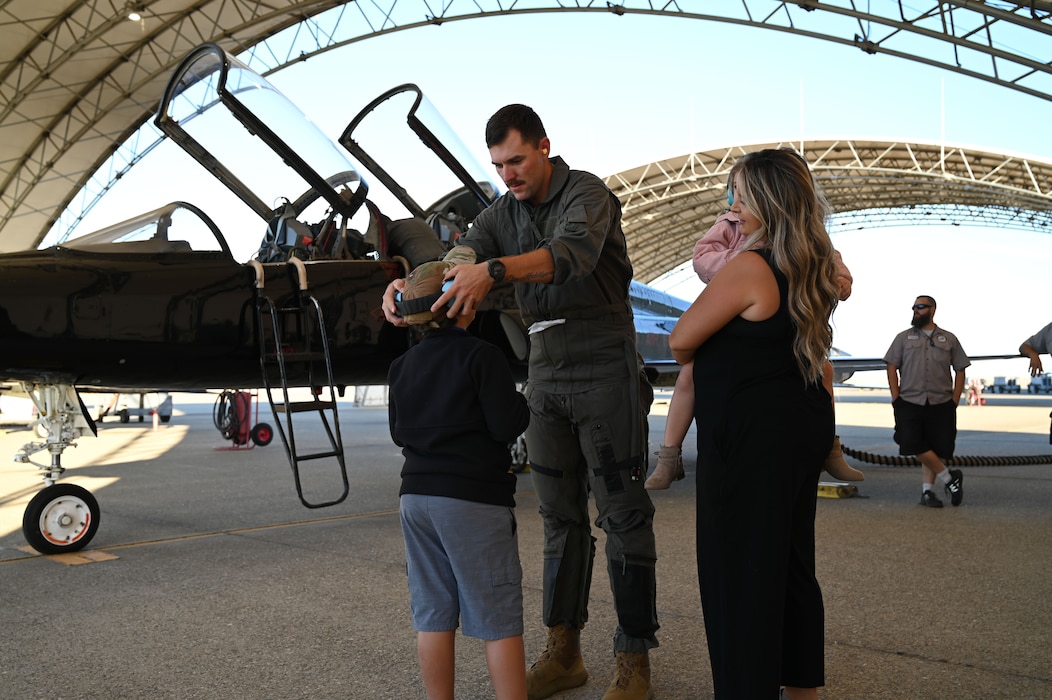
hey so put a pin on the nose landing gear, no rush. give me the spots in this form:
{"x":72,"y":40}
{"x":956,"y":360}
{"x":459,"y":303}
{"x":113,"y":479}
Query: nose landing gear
{"x":61,"y":518}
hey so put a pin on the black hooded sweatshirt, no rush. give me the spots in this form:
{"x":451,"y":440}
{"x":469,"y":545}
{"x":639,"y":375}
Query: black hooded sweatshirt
{"x":454,"y":409}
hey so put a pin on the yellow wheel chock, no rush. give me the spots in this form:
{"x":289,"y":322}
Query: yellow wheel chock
{"x":836,"y":489}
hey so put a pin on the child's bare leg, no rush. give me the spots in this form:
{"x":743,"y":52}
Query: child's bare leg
{"x":680,"y":408}
{"x":835,"y":464}
{"x":506,"y":660}
{"x":827,"y":379}
{"x":680,"y":414}
{"x":435,"y":652}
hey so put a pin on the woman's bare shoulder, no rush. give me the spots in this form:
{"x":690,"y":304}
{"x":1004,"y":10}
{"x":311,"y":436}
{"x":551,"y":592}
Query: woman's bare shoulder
{"x":747,"y":263}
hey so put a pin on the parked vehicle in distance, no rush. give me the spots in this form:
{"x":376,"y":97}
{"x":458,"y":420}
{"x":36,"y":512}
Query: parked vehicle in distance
{"x":1041,"y":384}
{"x":1003,"y":385}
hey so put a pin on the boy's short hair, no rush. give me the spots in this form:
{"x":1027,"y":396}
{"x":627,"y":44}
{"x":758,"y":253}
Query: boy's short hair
{"x":423,"y":287}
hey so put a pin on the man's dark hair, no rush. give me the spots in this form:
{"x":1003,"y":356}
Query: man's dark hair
{"x":929,"y":298}
{"x":519,"y":117}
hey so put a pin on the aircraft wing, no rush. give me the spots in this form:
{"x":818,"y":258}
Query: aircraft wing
{"x":846,"y":365}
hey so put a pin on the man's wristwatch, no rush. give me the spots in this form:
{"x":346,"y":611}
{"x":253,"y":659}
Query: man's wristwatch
{"x":497,"y":269}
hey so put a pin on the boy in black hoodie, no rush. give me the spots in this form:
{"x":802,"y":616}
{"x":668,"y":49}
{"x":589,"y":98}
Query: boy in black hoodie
{"x":454,"y":409}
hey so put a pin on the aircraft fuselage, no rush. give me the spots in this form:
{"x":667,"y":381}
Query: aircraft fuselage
{"x":183,"y":320}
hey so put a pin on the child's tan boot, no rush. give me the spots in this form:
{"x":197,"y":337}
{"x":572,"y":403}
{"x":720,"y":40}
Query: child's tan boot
{"x":837,"y":467}
{"x":669,"y":468}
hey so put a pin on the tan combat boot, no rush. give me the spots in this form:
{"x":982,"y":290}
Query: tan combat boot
{"x":669,"y":468}
{"x":837,"y":467}
{"x":632,"y":681}
{"x":559,"y":667}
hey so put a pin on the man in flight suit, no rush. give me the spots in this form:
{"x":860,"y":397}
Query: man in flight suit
{"x":556,"y":234}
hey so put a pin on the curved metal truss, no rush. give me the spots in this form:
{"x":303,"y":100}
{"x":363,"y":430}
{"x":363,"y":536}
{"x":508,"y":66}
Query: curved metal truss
{"x":668,"y":205}
{"x":77,"y":84}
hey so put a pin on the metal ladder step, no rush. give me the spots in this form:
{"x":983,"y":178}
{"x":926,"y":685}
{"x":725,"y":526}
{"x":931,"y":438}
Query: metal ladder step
{"x":317,"y":455}
{"x":295,"y":356}
{"x":304,"y":406}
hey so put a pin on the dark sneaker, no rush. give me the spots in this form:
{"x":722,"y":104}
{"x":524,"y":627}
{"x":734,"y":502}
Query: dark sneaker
{"x":928,"y":499}
{"x":955,"y":489}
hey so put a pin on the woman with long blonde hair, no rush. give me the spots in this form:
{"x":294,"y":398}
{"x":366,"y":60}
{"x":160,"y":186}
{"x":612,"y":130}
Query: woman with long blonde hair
{"x":759,"y":336}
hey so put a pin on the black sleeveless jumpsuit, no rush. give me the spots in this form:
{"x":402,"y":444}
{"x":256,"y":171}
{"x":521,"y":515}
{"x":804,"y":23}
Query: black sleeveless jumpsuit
{"x":763,"y":435}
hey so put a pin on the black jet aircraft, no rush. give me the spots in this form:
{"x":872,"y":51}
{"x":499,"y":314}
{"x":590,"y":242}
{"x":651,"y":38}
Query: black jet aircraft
{"x":159,"y":302}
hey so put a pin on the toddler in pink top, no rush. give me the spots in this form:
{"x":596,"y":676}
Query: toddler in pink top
{"x":721,"y":243}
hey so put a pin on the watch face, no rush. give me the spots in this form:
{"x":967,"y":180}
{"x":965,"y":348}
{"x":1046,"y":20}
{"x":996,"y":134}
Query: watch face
{"x":497,"y":270}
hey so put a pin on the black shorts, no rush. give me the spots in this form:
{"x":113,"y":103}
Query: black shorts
{"x":922,"y":428}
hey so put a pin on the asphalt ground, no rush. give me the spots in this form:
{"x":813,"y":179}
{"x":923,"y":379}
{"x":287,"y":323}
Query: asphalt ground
{"x":209,"y":579}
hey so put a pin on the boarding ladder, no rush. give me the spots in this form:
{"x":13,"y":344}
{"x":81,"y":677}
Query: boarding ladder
{"x":293,"y":344}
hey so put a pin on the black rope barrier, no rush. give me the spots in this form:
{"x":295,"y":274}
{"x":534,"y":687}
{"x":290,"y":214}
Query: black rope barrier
{"x":964,"y":461}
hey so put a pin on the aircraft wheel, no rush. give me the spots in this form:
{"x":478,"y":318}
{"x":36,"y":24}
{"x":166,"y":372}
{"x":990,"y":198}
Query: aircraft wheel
{"x":262,"y":434}
{"x":61,"y":518}
{"x":125,"y":417}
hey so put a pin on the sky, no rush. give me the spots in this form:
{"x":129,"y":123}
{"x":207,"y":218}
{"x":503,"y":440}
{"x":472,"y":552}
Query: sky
{"x":619,"y":92}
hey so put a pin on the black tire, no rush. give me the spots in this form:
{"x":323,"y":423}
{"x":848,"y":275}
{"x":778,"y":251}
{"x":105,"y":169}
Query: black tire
{"x":61,"y":518}
{"x":262,"y":434}
{"x":124,"y":415}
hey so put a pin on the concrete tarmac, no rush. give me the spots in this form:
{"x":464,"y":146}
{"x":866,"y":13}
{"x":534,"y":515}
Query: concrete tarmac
{"x":209,"y":579}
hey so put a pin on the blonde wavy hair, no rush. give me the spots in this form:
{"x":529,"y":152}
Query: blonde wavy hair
{"x":778,"y":188}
